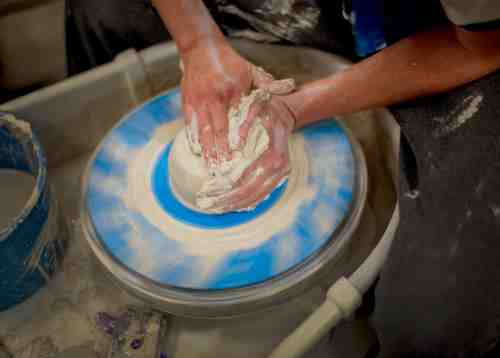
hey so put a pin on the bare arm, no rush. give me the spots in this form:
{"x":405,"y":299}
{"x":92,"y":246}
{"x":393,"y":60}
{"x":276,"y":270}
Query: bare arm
{"x":425,"y":64}
{"x":188,"y":21}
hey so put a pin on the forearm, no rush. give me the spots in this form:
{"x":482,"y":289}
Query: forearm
{"x":188,"y":21}
{"x":422,"y":65}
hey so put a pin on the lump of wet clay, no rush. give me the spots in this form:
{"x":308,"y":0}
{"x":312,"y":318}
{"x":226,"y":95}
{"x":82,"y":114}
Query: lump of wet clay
{"x":188,"y":170}
{"x":195,"y":184}
{"x":199,"y":185}
{"x":193,"y":181}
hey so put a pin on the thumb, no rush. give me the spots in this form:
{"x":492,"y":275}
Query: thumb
{"x":261,"y":78}
{"x":266,"y":81}
{"x":281,"y":87}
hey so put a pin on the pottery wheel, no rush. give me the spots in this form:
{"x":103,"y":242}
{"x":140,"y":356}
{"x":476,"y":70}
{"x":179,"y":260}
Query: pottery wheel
{"x":167,"y":251}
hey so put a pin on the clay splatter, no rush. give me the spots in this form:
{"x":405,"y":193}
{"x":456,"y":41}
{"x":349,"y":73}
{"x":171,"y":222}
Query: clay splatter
{"x":412,"y":194}
{"x":458,"y":118}
{"x":495,"y":209}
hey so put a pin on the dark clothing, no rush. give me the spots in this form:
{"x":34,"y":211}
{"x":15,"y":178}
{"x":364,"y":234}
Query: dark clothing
{"x":440,"y":289}
{"x":97,"y":31}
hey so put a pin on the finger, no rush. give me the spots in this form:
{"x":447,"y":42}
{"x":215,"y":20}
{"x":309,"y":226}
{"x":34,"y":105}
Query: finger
{"x":256,"y":112}
{"x":186,"y":102}
{"x":235,"y":98}
{"x":187,"y":111}
{"x":279,"y":135}
{"x":220,"y":127}
{"x":260,"y":77}
{"x":253,"y":191}
{"x":281,"y":87}
{"x":192,"y":130}
{"x":263,"y":189}
{"x":206,"y":136}
{"x":249,"y":182}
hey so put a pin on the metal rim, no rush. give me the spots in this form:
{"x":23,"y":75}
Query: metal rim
{"x":38,"y":161}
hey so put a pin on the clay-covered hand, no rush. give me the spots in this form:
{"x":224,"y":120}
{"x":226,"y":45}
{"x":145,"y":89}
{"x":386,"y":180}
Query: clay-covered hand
{"x":271,"y":168}
{"x":214,"y":79}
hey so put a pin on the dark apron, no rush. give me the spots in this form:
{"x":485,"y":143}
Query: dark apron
{"x":440,"y":289}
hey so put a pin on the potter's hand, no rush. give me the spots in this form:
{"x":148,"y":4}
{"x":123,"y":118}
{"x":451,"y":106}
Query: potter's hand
{"x":271,"y":168}
{"x":214,"y":78}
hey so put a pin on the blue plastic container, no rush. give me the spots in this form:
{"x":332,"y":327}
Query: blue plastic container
{"x":29,"y":248}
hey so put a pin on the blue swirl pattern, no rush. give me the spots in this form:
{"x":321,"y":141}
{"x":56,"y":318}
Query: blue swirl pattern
{"x":140,"y":246}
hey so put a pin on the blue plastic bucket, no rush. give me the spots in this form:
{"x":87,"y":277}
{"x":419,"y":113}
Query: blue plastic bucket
{"x":29,"y":247}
